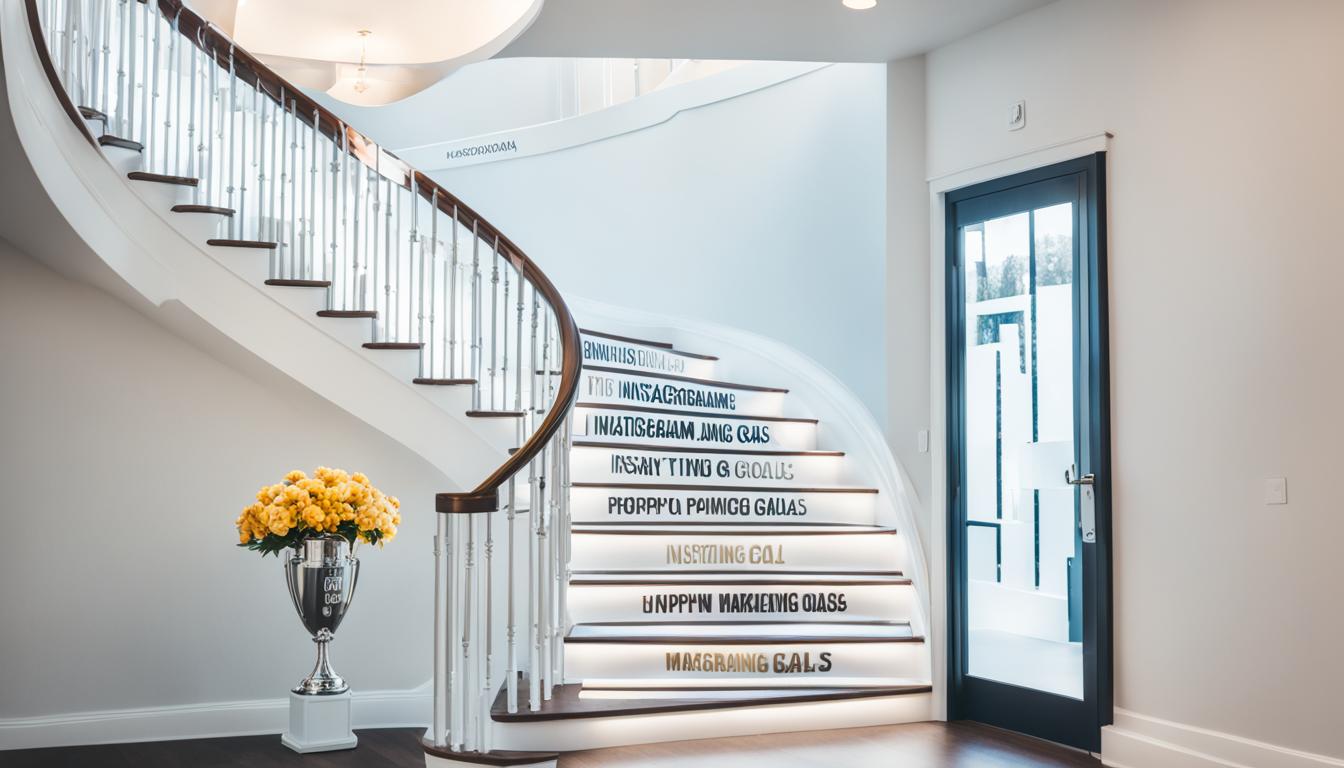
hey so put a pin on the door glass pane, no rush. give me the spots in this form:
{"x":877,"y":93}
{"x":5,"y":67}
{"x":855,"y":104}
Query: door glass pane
{"x":1024,"y":618}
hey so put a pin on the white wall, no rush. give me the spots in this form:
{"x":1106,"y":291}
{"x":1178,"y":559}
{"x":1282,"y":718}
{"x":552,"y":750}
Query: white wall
{"x":907,"y":289}
{"x":764,"y":212}
{"x":125,"y":455}
{"x":1225,"y":350}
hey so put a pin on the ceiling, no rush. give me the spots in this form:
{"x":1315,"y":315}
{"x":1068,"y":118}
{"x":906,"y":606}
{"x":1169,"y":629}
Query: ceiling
{"x":404,"y":32}
{"x":782,"y":30}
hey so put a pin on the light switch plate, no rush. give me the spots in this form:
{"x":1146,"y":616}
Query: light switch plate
{"x":923,"y":441}
{"x":1017,"y":116}
{"x":1276,"y":490}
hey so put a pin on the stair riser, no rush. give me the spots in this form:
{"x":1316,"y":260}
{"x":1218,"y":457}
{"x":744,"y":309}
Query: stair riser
{"x":793,"y":602}
{"x":618,"y":465}
{"x":606,"y":505}
{"x":160,"y":196}
{"x":637,"y":357}
{"x":404,"y":364}
{"x":692,"y":431}
{"x":752,"y":553}
{"x":251,"y":264}
{"x":632,"y":389}
{"x":763,"y":664}
{"x":124,"y":160}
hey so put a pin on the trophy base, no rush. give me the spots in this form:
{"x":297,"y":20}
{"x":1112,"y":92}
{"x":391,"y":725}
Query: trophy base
{"x":319,"y":723}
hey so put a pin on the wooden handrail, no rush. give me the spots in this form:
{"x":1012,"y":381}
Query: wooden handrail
{"x":248,"y":68}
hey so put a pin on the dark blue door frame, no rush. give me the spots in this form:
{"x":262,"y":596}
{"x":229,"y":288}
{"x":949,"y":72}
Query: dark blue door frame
{"x":1045,"y":715}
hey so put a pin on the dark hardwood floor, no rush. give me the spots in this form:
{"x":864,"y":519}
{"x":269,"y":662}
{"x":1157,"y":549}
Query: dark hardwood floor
{"x":920,"y":745}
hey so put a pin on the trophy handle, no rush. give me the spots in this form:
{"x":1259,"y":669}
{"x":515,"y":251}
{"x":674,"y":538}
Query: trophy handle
{"x":292,"y":581}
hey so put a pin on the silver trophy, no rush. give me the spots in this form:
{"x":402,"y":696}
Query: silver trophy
{"x":322,"y":576}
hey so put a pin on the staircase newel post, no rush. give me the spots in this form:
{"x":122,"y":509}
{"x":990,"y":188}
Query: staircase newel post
{"x":442,"y":609}
{"x":487,"y":630}
{"x":511,"y":672}
{"x":534,"y":543}
{"x":456,"y":715}
{"x":469,"y":661}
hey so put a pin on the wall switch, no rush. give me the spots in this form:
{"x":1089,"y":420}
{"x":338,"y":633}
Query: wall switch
{"x":923,"y":441}
{"x":1017,"y":116}
{"x":1276,"y":490}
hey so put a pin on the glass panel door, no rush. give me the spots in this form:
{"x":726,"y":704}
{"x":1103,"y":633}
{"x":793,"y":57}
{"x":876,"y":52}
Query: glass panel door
{"x":1024,"y":583}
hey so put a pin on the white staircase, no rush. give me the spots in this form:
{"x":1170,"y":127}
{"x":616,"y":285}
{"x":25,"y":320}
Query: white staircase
{"x":666,"y":545}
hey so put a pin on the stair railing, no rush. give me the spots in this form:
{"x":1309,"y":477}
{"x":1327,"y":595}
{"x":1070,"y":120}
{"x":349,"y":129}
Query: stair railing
{"x":389,"y":244}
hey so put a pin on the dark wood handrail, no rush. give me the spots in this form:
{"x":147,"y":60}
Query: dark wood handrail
{"x":248,"y":68}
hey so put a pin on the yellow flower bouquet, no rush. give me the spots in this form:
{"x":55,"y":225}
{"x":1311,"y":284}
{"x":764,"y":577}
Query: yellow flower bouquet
{"x":331,"y":502}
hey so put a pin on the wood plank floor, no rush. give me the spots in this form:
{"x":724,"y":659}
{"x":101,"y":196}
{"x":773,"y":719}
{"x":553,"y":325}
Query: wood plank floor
{"x":920,"y":745}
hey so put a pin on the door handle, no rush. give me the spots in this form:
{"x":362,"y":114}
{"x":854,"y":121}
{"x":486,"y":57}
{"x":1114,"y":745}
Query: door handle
{"x":1087,"y":518}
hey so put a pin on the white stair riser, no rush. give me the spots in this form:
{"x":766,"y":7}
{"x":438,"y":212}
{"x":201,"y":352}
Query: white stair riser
{"x":782,"y":602}
{"x":615,"y":426}
{"x":638,"y":357}
{"x":605,"y":505}
{"x":768,"y":663}
{"x":351,"y":331}
{"x":124,"y":160}
{"x":401,"y":363}
{"x":618,"y":465}
{"x":160,"y":196}
{"x":455,"y":398}
{"x":632,"y":389}
{"x":251,"y":264}
{"x":751,"y":553}
{"x":304,"y":301}
{"x":199,"y":227}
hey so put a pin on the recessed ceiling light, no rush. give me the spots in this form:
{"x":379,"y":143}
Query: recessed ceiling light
{"x":859,"y":5}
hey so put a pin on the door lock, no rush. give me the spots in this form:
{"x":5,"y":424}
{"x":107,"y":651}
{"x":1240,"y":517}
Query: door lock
{"x":1087,"y":517}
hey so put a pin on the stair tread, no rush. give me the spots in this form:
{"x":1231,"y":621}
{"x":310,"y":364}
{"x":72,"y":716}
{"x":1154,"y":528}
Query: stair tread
{"x":108,"y":140}
{"x":441,"y":382}
{"x":493,"y":757}
{"x":689,"y":379}
{"x":723,"y":488}
{"x":347,"y":313}
{"x":650,"y":528}
{"x":194,"y":208}
{"x":680,"y":412}
{"x":567,"y":703}
{"x":163,"y":178}
{"x":299,"y":283}
{"x":495,"y":415}
{"x":393,"y":345}
{"x":89,"y":113}
{"x":696,"y":449}
{"x":743,"y":632}
{"x":735,"y":578}
{"x":661,"y":346}
{"x":232,"y":243}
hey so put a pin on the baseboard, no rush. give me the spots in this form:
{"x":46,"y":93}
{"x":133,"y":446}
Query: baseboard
{"x":1139,"y":741}
{"x":371,"y":709}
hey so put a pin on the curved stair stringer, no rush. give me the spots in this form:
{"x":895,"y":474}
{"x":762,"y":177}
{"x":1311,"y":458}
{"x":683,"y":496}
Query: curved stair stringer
{"x":157,"y":268}
{"x":848,"y":425}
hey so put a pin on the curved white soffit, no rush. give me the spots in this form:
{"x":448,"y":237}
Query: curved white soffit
{"x":317,"y":63}
{"x":646,"y":111}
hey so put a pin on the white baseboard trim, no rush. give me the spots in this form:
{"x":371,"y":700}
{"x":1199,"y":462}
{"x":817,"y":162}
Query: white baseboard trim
{"x":1140,"y":741}
{"x":371,"y":709}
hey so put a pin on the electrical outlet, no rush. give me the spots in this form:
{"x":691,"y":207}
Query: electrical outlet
{"x":1276,"y":490}
{"x":1017,"y":116}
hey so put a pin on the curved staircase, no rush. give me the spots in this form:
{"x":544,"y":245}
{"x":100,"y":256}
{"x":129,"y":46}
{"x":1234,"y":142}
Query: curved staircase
{"x":656,"y":544}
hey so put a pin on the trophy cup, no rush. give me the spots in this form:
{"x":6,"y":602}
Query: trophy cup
{"x":321,"y":577}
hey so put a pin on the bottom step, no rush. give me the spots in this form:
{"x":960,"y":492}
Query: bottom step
{"x":577,"y":701}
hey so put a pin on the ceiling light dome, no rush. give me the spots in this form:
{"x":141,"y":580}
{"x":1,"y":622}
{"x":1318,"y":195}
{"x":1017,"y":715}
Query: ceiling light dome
{"x":859,"y":5}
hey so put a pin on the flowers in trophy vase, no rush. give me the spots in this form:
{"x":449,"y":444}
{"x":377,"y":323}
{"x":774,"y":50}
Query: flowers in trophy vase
{"x":331,"y":502}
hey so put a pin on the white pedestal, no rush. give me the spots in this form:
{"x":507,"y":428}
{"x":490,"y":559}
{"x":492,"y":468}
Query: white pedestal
{"x":319,"y":723}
